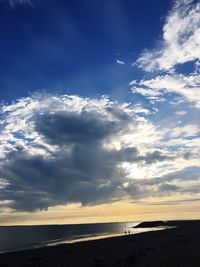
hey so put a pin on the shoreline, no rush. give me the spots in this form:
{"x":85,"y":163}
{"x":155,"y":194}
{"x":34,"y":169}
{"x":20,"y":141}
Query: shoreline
{"x":136,"y":228}
{"x":172,"y":247}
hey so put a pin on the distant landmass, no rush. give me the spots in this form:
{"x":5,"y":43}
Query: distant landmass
{"x":151,"y":224}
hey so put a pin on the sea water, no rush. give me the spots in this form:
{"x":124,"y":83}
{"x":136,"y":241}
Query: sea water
{"x":28,"y":237}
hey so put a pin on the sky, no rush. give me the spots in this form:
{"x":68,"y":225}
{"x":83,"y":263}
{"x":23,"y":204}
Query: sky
{"x":99,"y":111}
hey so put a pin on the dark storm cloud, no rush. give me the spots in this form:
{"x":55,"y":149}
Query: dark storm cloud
{"x":66,"y":149}
{"x":81,"y":169}
{"x":67,"y":128}
{"x":168,"y":187}
{"x":156,"y":156}
{"x":88,"y":175}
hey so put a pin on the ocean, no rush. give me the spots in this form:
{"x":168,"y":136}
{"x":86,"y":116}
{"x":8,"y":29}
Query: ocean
{"x":14,"y":238}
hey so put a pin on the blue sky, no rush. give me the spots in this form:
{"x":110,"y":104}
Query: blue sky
{"x":73,"y":47}
{"x":99,"y":110}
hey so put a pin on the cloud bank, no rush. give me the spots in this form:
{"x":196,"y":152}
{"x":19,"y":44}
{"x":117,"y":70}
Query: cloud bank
{"x":67,"y":149}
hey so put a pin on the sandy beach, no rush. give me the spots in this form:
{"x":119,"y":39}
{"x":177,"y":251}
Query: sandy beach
{"x":178,"y":246}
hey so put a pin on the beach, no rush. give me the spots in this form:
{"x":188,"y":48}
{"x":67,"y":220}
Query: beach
{"x":178,"y":246}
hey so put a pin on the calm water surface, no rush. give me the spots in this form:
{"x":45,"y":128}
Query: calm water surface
{"x":27,"y":237}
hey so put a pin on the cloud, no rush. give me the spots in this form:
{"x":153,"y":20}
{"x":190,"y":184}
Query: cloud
{"x":177,"y":83}
{"x":120,"y":62}
{"x":180,"y":41}
{"x":138,"y":108}
{"x":65,"y":149}
{"x":185,"y":174}
{"x":181,"y":113}
{"x":173,"y":188}
{"x":68,"y":149}
{"x":173,"y":93}
{"x":186,"y":86}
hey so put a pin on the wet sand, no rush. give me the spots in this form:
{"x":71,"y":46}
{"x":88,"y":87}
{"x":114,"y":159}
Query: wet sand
{"x":175,"y":247}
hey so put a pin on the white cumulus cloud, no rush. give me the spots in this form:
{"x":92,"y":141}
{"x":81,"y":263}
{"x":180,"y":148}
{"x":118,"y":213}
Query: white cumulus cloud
{"x":181,"y":39}
{"x":186,"y":86}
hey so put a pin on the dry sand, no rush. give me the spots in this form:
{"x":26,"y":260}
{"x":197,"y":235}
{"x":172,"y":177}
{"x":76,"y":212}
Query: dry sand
{"x":178,"y":247}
